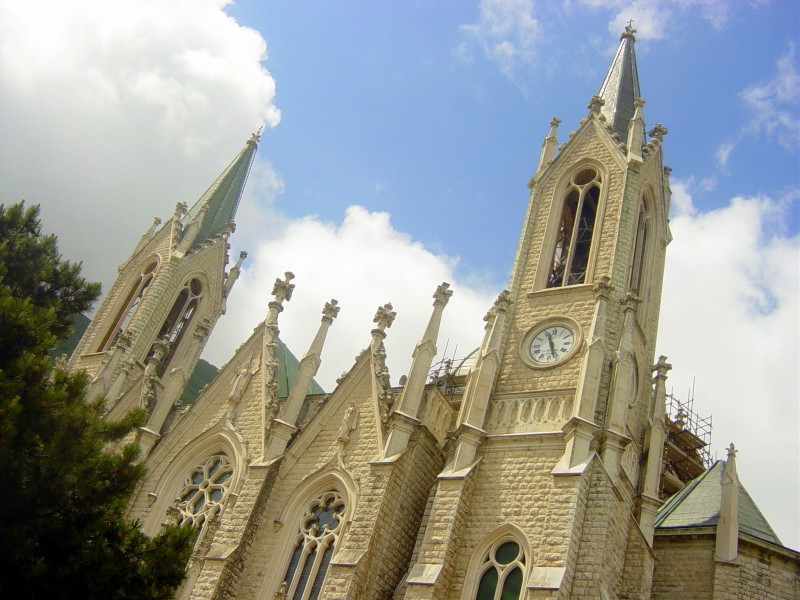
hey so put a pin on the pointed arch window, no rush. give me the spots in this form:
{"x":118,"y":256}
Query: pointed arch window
{"x":179,"y":317}
{"x":129,"y":308}
{"x":205,"y":488}
{"x":639,"y":245}
{"x":570,"y":259}
{"x":501,"y":573}
{"x":315,"y":542}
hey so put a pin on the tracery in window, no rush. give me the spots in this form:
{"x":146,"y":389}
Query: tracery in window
{"x":179,"y":316}
{"x":129,"y":308}
{"x":204,"y":490}
{"x":501,"y":572}
{"x":315,"y":542}
{"x":576,"y":228}
{"x":640,"y":241}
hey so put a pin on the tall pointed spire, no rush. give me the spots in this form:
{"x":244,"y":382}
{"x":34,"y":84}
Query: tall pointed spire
{"x":222,"y":198}
{"x":620,"y":88}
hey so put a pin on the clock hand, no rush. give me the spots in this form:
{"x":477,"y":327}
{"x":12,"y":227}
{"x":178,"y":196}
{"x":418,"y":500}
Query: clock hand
{"x":550,"y":342}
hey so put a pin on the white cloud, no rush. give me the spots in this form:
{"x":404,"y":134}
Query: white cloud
{"x":724,"y":153}
{"x":363,"y":263}
{"x":110,"y":91}
{"x":654,"y":19}
{"x":506,"y":32}
{"x":775,"y":104}
{"x":730,"y":314}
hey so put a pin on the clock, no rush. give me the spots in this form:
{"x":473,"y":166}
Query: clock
{"x":550,"y":343}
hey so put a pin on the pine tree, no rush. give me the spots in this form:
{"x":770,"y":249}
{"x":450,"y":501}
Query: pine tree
{"x":63,"y":530}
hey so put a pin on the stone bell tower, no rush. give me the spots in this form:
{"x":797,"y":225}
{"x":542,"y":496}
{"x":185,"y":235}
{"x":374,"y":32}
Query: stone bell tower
{"x":153,"y":323}
{"x":556,"y":457}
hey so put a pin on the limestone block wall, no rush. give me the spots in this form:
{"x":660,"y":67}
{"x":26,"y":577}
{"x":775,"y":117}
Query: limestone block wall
{"x":604,"y":538}
{"x":637,"y":575}
{"x":515,"y":486}
{"x":685,"y":568}
{"x":391,"y":506}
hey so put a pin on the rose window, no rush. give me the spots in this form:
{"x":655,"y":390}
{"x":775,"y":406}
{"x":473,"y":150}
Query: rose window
{"x":204,"y":490}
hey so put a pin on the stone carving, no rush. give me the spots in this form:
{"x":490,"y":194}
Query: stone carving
{"x":603,"y":287}
{"x":203,"y":329}
{"x":331,"y":311}
{"x":596,"y":104}
{"x":151,"y":232}
{"x":282,"y":289}
{"x":151,"y":373}
{"x":349,"y":423}
{"x":529,"y":413}
{"x":442,"y":294}
{"x":630,"y":463}
{"x":503,"y":302}
{"x":240,"y":383}
{"x":181,"y":208}
{"x":658,"y":132}
{"x":384,"y":317}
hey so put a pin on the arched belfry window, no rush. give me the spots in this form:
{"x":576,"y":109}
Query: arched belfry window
{"x":179,"y":316}
{"x":575,"y":230}
{"x":205,"y":488}
{"x":314,"y":544}
{"x":639,"y":245}
{"x":501,"y":572}
{"x":129,"y":308}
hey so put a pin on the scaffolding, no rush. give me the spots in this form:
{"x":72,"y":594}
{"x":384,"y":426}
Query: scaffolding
{"x":684,"y":417}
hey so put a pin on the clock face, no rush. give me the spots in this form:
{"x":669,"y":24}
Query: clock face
{"x":551,"y":344}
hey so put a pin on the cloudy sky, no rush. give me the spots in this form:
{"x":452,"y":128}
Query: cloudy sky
{"x":399,"y":139}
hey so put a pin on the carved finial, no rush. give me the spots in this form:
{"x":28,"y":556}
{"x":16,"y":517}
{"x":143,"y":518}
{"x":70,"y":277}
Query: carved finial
{"x":732,"y":452}
{"x":667,"y":171}
{"x":596,"y":104}
{"x":255,"y":137}
{"x":555,"y":122}
{"x":603,"y":287}
{"x":631,"y":301}
{"x":639,"y":102}
{"x":629,"y":31}
{"x":152,"y":230}
{"x":384,"y":317}
{"x":442,"y":294}
{"x":658,"y":131}
{"x":662,"y":367}
{"x":180,"y":209}
{"x":282,"y":290}
{"x":331,"y":310}
{"x":501,"y":304}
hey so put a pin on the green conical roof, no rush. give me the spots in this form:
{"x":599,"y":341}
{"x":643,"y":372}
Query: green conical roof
{"x":621,"y":86}
{"x":223,"y":197}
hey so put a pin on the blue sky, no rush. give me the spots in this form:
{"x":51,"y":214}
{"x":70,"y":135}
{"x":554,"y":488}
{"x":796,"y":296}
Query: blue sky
{"x":399,"y":139}
{"x":397,"y":106}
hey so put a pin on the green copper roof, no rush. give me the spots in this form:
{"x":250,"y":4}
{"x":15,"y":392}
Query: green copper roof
{"x":223,"y":197}
{"x":286,"y":374}
{"x":621,"y":86}
{"x":698,"y":505}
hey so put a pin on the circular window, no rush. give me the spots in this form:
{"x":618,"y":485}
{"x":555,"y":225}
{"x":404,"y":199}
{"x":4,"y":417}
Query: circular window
{"x":204,"y":490}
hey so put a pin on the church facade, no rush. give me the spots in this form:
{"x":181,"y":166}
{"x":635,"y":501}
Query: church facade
{"x":534,"y":469}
